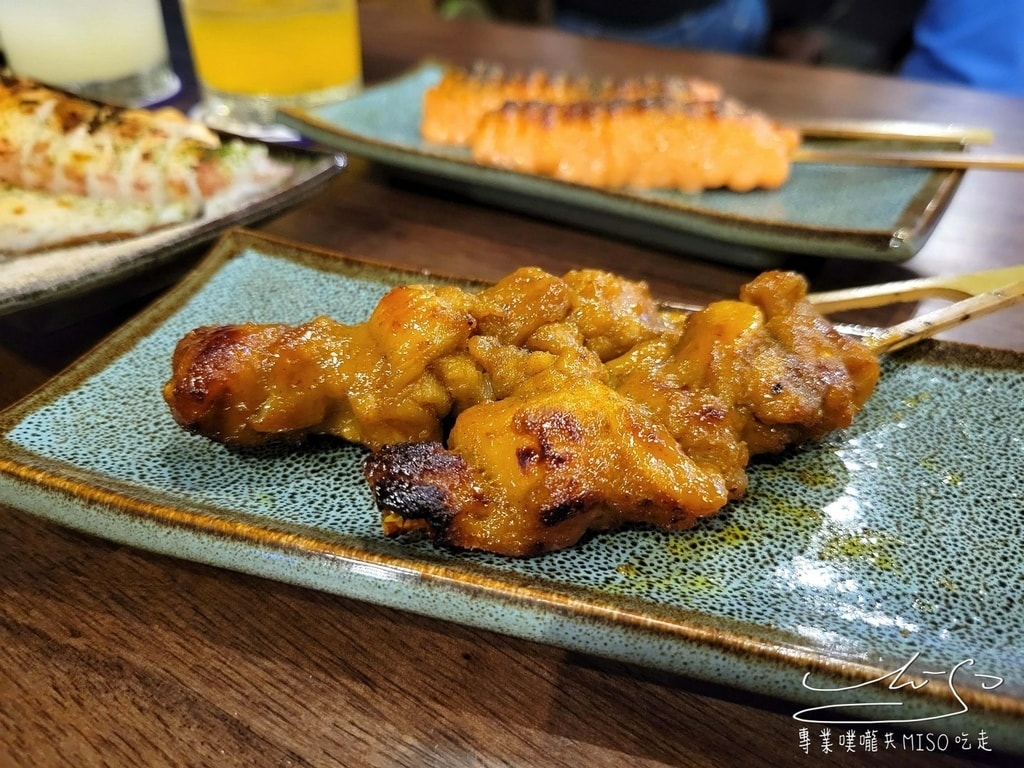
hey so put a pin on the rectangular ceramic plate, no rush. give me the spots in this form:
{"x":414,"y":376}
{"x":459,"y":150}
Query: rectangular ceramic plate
{"x":896,"y":543}
{"x":33,"y":279}
{"x":823,"y":210}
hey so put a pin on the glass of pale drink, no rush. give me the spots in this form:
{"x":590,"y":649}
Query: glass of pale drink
{"x":111,"y":50}
{"x":254,"y":56}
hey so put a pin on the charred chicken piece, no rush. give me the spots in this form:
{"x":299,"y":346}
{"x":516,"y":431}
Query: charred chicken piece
{"x":535,"y":471}
{"x":373,"y":383}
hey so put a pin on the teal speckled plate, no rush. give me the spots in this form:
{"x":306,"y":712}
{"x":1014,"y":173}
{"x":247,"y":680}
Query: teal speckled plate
{"x":824,"y":210}
{"x":894,"y":545}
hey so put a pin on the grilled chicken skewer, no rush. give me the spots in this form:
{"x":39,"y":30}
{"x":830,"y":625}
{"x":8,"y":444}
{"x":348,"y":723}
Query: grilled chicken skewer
{"x":661,"y":436}
{"x":576,"y":403}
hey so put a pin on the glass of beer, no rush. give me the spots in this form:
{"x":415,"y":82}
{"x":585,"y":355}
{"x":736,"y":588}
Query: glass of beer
{"x":111,"y":50}
{"x":254,"y":56}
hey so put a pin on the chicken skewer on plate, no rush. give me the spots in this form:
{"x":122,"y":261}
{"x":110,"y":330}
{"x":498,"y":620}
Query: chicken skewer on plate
{"x":576,"y":403}
{"x":660,"y":436}
{"x":425,"y":353}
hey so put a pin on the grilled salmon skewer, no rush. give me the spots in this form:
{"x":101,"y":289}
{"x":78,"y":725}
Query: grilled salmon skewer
{"x":650,"y":143}
{"x":670,"y":133}
{"x":453,"y":107}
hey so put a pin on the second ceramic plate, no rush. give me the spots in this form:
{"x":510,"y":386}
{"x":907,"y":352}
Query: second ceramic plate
{"x":824,"y":210}
{"x":878,"y":568}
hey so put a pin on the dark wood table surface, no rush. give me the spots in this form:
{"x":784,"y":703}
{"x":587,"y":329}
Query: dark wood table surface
{"x":114,"y":656}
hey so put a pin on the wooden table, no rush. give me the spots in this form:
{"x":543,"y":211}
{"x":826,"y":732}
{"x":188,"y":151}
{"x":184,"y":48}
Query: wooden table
{"x":114,"y":656}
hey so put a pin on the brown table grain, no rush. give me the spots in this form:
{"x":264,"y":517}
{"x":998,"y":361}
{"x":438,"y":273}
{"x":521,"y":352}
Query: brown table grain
{"x":113,"y":656}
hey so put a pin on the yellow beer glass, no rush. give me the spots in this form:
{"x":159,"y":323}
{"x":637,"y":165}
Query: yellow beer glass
{"x":253,"y":56}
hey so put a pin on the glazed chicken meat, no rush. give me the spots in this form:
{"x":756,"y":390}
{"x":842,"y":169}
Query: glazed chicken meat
{"x":518,"y":418}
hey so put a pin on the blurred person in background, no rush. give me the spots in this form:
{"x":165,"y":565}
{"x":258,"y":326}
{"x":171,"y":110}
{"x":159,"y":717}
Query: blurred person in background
{"x":731,"y":26}
{"x":966,"y":42}
{"x":956,"y":42}
{"x":975,"y":43}
{"x":867,"y":35}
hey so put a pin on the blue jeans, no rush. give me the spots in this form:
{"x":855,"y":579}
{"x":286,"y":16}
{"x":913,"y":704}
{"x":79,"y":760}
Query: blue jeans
{"x":730,"y":26}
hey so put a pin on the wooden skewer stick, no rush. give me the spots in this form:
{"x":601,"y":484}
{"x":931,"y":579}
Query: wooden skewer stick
{"x":892,"y":130}
{"x":987,"y":291}
{"x":917,"y":328}
{"x":910,"y":159}
{"x":952,"y":287}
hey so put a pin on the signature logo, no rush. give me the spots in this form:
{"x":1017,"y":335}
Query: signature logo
{"x":896,"y":680}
